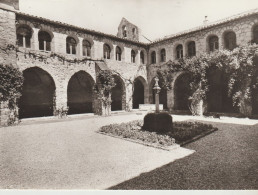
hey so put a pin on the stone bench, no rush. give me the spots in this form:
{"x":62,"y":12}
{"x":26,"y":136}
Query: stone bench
{"x":149,"y":107}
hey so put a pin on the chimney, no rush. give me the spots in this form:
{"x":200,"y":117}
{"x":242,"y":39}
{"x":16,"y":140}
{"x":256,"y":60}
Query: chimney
{"x":205,"y":20}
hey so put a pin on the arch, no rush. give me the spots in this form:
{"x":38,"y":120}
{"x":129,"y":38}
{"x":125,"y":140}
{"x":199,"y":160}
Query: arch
{"x":229,"y":40}
{"x":142,"y":57}
{"x":217,"y":95}
{"x":139,"y":91}
{"x":44,"y":41}
{"x":162,"y":94}
{"x":163,"y":55}
{"x":191,"y":49}
{"x":118,"y":53}
{"x":255,"y":33}
{"x":38,"y":94}
{"x":182,"y":91}
{"x":106,"y":51}
{"x":118,"y":94}
{"x":71,"y":45}
{"x":213,"y":43}
{"x":80,"y":93}
{"x":133,"y":55}
{"x":86,"y":48}
{"x":24,"y":35}
{"x":153,"y":57}
{"x":179,"y":51}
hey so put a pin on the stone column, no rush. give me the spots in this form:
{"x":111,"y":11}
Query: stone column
{"x":79,"y":53}
{"x":35,"y":41}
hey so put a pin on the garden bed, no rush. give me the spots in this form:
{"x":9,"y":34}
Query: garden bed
{"x":183,"y":132}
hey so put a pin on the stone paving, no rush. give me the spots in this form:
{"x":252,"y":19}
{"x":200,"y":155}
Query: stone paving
{"x":69,"y":154}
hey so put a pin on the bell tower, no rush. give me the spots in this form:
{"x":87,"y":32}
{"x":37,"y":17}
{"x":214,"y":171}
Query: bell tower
{"x":128,"y":30}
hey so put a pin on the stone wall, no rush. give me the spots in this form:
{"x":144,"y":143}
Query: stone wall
{"x":7,"y":36}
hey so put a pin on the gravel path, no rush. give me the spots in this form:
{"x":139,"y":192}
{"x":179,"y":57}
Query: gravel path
{"x":68,"y":154}
{"x":225,"y":159}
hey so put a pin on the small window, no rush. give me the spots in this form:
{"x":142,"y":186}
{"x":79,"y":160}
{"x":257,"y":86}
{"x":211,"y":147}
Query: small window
{"x":230,"y":40}
{"x":71,"y":45}
{"x":134,"y":32}
{"x":44,"y":41}
{"x":124,"y":31}
{"x":142,"y":57}
{"x":24,"y":35}
{"x":213,"y":43}
{"x":163,"y":55}
{"x":106,"y":51}
{"x":179,"y":51}
{"x":153,"y":57}
{"x":191,"y":49}
{"x":255,"y":34}
{"x":86,"y":48}
{"x":133,"y":56}
{"x":118,"y":53}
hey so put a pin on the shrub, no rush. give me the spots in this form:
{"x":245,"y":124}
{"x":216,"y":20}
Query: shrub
{"x":158,"y":122}
{"x":11,"y":81}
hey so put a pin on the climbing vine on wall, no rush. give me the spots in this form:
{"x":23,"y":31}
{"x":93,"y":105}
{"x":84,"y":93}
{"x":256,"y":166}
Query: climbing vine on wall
{"x":237,"y":64}
{"x":105,"y":83}
{"x":11,"y":81}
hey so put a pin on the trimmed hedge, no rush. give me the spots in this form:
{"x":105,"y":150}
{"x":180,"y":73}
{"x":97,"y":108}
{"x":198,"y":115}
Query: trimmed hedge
{"x":158,"y":122}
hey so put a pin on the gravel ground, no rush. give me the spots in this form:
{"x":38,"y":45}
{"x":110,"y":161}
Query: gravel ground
{"x":68,"y":154}
{"x":226,"y":159}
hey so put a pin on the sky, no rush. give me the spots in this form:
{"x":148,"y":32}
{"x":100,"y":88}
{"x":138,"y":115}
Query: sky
{"x":156,"y":18}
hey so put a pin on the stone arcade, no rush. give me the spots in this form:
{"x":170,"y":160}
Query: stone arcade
{"x":53,"y":85}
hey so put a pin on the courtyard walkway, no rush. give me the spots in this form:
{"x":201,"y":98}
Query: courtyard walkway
{"x":68,"y":154}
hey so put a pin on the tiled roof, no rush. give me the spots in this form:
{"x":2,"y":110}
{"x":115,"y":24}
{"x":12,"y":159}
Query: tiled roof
{"x":80,"y":28}
{"x":199,"y":28}
{"x":209,"y":25}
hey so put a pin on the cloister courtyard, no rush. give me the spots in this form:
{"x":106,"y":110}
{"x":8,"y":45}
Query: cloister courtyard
{"x":51,"y":153}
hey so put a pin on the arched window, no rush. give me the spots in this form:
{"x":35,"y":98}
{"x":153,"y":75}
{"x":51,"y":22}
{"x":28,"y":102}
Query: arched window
{"x":106,"y":51}
{"x":179,"y":51}
{"x":71,"y":45}
{"x":86,"y":48}
{"x":118,"y":53}
{"x":44,"y":41}
{"x":230,"y":40}
{"x":255,"y":34}
{"x":163,"y":55}
{"x":124,"y":31}
{"x":142,"y":57}
{"x":153,"y":57}
{"x":191,"y":49}
{"x":133,"y":56}
{"x":24,"y":35}
{"x":134,"y":32}
{"x":213,"y":43}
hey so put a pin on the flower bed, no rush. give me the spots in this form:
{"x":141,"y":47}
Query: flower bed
{"x":182,"y":131}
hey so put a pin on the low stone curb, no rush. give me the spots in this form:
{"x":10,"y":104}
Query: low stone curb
{"x":167,"y":148}
{"x":198,"y":137}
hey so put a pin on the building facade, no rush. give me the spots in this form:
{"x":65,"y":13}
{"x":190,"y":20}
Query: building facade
{"x":60,"y":61}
